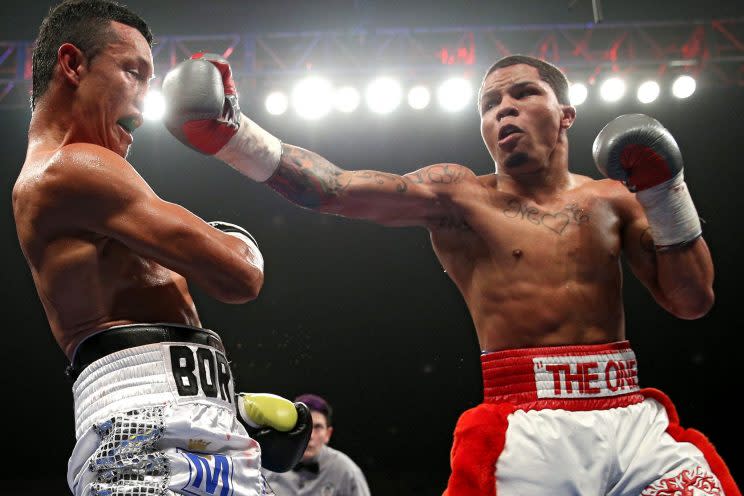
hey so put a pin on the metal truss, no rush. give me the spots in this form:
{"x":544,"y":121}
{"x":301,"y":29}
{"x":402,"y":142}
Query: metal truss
{"x":712,"y":50}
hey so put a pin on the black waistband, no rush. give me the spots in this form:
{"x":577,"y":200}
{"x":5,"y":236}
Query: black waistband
{"x":120,"y":338}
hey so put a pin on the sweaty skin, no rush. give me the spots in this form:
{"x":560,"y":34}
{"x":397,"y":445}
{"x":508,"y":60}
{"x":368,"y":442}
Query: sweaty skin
{"x":535,"y":250}
{"x":103,"y":248}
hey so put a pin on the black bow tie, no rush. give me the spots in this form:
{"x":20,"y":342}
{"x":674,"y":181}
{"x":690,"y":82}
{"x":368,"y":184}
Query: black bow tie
{"x":311,"y":466}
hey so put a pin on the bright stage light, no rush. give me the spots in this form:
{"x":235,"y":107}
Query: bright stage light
{"x":683,"y":87}
{"x":312,"y":97}
{"x":346,"y":99}
{"x":612,"y":90}
{"x":577,"y":94}
{"x":154,"y":106}
{"x":454,"y":94}
{"x":648,"y":92}
{"x":277,"y":103}
{"x":383,"y":95}
{"x":419,"y":97}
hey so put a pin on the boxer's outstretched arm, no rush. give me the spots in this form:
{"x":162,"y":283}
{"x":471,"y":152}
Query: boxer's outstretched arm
{"x":96,"y":190}
{"x":204,"y":114}
{"x":420,"y":198}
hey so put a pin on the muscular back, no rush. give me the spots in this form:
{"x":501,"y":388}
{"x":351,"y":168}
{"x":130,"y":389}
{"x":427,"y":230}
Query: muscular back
{"x":86,"y":280}
{"x":537,"y":274}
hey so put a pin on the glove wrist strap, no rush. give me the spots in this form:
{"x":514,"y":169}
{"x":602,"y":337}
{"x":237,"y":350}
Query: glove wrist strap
{"x":671,"y":213}
{"x":252,"y":151}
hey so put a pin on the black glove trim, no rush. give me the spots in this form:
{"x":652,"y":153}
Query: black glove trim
{"x":281,"y":451}
{"x":227,"y":227}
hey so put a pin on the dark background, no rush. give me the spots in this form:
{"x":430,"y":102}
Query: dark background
{"x":362,"y":314}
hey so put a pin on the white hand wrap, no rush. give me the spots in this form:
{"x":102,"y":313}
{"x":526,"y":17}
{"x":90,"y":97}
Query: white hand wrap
{"x":243,"y":414}
{"x":252,"y":151}
{"x":671,"y":213}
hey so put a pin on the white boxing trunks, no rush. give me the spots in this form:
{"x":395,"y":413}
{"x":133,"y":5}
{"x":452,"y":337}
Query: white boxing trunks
{"x":155,"y":415}
{"x":572,"y":420}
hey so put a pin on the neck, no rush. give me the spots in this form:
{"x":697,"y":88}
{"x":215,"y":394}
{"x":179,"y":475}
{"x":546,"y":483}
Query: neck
{"x":542,"y":183}
{"x":51,"y":125}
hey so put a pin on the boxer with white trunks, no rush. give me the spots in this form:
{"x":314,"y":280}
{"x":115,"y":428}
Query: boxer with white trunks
{"x":536,"y":252}
{"x":155,"y":411}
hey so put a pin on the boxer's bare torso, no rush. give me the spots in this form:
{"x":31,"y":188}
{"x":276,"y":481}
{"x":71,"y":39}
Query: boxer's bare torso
{"x":541,"y":274}
{"x":535,"y":249}
{"x":534,"y":269}
{"x":87,"y":280}
{"x":103,"y":248}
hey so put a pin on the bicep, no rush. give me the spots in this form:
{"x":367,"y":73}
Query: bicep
{"x":640,"y":253}
{"x":116,"y":202}
{"x":165,"y":232}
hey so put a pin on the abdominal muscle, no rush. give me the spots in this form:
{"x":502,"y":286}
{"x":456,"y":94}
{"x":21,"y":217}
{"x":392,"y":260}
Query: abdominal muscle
{"x":527,"y":285}
{"x":92,"y":284}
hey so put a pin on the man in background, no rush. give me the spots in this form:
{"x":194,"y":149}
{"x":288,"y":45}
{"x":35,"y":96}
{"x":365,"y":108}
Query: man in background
{"x":323,"y":470}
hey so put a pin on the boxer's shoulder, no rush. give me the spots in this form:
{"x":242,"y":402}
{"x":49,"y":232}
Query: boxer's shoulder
{"x":84,"y":155}
{"x":607,"y":190}
{"x":84,"y":169}
{"x":73,"y":181}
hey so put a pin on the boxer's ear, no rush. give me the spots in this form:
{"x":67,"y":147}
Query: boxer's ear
{"x":568,"y":116}
{"x":72,"y":63}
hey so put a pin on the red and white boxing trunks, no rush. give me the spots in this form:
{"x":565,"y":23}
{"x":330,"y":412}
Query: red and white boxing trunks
{"x":572,"y":420}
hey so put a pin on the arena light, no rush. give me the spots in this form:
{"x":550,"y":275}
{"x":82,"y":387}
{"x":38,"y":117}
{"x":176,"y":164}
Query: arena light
{"x":648,"y":92}
{"x":312,"y":97}
{"x":612,"y":89}
{"x":419,"y":97}
{"x":683,"y":86}
{"x":577,"y":94}
{"x":383,"y":95}
{"x":346,"y":99}
{"x":154,"y":106}
{"x":277,"y":103}
{"x":454,"y":94}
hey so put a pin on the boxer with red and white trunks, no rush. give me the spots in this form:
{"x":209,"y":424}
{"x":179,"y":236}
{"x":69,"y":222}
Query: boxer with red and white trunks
{"x":535,"y":250}
{"x":573,"y":420}
{"x":155,"y":412}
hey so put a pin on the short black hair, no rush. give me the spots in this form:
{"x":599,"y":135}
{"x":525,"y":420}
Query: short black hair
{"x":317,"y":404}
{"x":85,"y":24}
{"x":547,"y":71}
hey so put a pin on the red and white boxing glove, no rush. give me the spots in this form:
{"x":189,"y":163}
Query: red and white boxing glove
{"x":637,"y":150}
{"x":202,"y":111}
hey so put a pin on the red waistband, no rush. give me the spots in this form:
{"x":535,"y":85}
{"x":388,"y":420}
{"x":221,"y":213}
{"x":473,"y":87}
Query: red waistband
{"x":586,"y":377}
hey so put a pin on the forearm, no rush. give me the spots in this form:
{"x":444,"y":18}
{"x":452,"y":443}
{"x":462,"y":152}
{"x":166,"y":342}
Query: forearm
{"x":307,"y":179}
{"x":685,"y":278}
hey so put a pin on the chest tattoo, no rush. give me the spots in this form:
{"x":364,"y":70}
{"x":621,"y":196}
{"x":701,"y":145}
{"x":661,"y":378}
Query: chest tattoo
{"x":556,"y":221}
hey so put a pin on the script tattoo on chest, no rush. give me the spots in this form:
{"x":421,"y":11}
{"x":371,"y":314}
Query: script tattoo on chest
{"x":554,"y":221}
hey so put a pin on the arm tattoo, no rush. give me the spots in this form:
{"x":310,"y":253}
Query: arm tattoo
{"x":311,"y":181}
{"x":554,"y":221}
{"x":380,"y":178}
{"x":452,"y":223}
{"x":438,"y":174}
{"x":305,"y":178}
